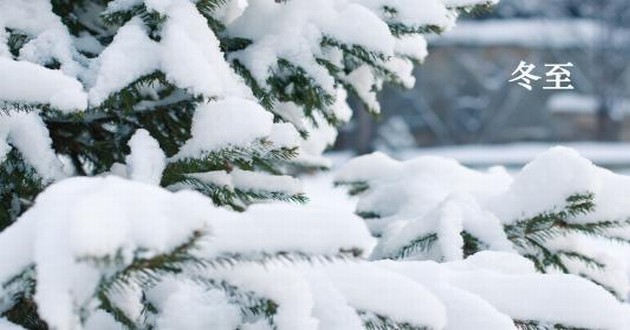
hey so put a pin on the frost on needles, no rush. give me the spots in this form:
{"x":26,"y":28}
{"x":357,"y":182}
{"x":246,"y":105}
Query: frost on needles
{"x":132,"y":130}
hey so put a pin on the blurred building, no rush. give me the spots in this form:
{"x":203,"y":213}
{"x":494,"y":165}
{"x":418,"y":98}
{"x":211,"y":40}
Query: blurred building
{"x":462,"y":94}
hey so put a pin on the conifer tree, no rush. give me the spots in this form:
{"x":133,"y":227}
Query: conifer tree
{"x":444,"y":211}
{"x":143,"y":101}
{"x":90,"y":74}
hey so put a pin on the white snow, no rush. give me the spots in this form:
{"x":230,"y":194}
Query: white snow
{"x":6,"y":325}
{"x":432,"y":195}
{"x":416,"y":14}
{"x":284,"y":135}
{"x":115,"y":69}
{"x":259,"y":182}
{"x":518,"y":293}
{"x":95,"y":217}
{"x":49,"y":40}
{"x":395,"y":296}
{"x":147,"y":161}
{"x":191,"y":57}
{"x":202,"y":308}
{"x":25,"y":82}
{"x":313,"y":260}
{"x":226,"y":123}
{"x":27,"y":132}
{"x":287,"y":228}
{"x":363,"y":82}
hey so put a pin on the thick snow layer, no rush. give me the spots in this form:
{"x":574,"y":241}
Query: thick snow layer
{"x":24,"y":82}
{"x":6,"y":325}
{"x":191,"y":56}
{"x":547,"y":181}
{"x":395,"y":295}
{"x":115,"y":69}
{"x":414,"y":13}
{"x":415,"y":187}
{"x":227,"y":123}
{"x":82,"y":218}
{"x":258,"y":182}
{"x":492,"y":293}
{"x":564,"y":299}
{"x":188,"y":53}
{"x":251,"y":181}
{"x":277,"y":228}
{"x":49,"y":39}
{"x":204,"y":309}
{"x":431,"y":195}
{"x":293,"y":31}
{"x":96,"y":218}
{"x":363,"y":81}
{"x":27,"y":132}
{"x":147,"y":161}
{"x":284,"y":135}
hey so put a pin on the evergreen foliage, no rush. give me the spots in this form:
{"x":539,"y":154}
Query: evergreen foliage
{"x":202,"y":95}
{"x":434,"y":230}
{"x":106,"y":103}
{"x":95,"y":139}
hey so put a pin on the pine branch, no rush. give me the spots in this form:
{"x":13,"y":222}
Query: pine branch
{"x":208,"y":7}
{"x":291,"y":83}
{"x":18,"y":301}
{"x":586,"y":260}
{"x":252,"y":306}
{"x":415,"y":247}
{"x":354,"y":188}
{"x":16,"y":40}
{"x":227,"y":259}
{"x":366,"y":215}
{"x":374,"y":321}
{"x":237,"y":199}
{"x":264,"y":96}
{"x":152,"y":19}
{"x":20,"y":185}
{"x":472,"y":244}
{"x":260,"y":155}
{"x":536,"y":325}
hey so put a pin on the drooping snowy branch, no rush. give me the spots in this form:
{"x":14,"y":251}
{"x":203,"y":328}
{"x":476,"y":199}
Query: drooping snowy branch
{"x":556,"y":211}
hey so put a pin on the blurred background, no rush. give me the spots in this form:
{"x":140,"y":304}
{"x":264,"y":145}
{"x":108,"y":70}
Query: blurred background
{"x":463,"y":106}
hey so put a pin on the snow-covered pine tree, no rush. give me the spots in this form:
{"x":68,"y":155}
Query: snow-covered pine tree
{"x":223,"y":97}
{"x":560,"y":211}
{"x":234,"y":93}
{"x":109,"y":253}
